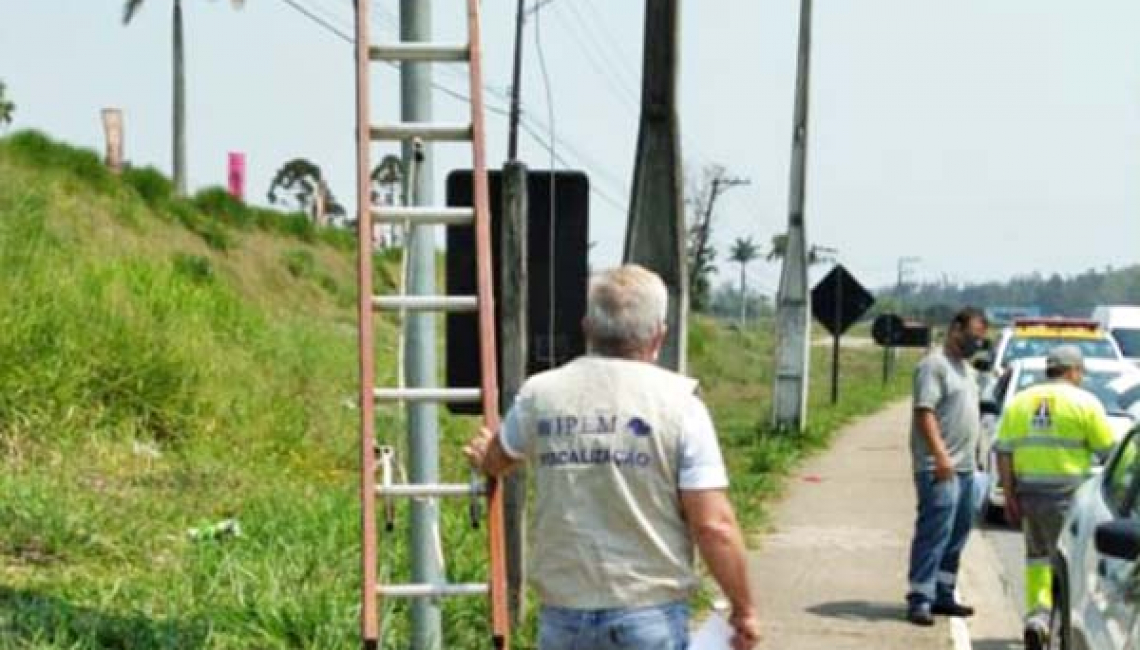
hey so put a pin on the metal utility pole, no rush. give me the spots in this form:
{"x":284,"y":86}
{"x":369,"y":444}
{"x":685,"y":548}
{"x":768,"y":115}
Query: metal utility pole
{"x":423,"y":418}
{"x":514,"y":327}
{"x":904,"y":271}
{"x":655,"y":237}
{"x":793,"y":318}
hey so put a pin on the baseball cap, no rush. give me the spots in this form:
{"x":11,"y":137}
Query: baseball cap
{"x":1065,"y":356}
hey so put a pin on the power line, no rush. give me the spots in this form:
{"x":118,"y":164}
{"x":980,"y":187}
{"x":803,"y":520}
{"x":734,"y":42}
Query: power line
{"x":318,"y":20}
{"x":324,"y":23}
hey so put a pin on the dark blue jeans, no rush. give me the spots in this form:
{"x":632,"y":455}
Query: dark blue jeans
{"x":945,"y":516}
{"x":663,"y":627}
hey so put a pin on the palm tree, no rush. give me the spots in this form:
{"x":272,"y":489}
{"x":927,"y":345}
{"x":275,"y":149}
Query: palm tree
{"x":7,"y":107}
{"x":743,"y":251}
{"x":304,"y":182}
{"x":130,"y":9}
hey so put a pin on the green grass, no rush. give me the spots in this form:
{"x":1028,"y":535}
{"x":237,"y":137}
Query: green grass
{"x":735,"y":368}
{"x":169,"y":363}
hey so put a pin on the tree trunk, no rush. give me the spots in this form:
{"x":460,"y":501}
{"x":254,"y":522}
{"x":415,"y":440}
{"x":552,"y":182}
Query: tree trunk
{"x":743,"y":296}
{"x":179,"y":103}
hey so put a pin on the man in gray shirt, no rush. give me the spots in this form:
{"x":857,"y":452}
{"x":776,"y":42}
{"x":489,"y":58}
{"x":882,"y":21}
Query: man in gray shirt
{"x":943,"y":441}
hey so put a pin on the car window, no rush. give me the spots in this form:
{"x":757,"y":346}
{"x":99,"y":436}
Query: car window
{"x":1023,"y":347}
{"x":1116,"y":391}
{"x":1128,"y":339}
{"x":1122,"y":476}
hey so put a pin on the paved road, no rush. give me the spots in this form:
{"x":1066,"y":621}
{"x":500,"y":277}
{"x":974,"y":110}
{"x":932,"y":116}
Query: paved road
{"x":831,"y":570}
{"x":1007,"y":545}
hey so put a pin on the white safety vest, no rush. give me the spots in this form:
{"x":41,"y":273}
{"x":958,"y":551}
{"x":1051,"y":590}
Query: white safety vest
{"x":602,"y":438}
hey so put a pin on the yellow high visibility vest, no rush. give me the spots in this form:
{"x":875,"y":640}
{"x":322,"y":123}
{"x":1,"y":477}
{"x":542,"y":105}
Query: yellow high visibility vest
{"x":1052,"y":430}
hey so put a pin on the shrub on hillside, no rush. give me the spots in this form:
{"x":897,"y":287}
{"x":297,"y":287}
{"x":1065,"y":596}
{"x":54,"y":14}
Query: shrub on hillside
{"x":300,"y":263}
{"x":83,"y":165}
{"x":218,"y":203}
{"x":151,"y":185}
{"x":193,"y":267}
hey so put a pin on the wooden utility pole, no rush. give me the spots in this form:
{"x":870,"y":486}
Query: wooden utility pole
{"x":514,"y":327}
{"x":655,"y":237}
{"x":513,"y":304}
{"x":793,"y":311}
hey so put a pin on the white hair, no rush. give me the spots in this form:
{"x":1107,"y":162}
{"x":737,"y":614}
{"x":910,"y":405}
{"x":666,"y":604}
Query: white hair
{"x":626,"y":309}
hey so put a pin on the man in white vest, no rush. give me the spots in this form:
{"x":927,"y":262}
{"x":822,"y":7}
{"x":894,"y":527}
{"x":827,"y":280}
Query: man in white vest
{"x":628,"y":479}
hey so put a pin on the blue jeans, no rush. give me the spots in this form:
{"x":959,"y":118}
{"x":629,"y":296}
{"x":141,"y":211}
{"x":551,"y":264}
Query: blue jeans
{"x":945,"y":516}
{"x":661,"y":627}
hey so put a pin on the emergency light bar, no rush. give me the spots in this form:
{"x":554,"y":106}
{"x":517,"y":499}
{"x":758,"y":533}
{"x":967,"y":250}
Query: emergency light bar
{"x":1058,"y":322}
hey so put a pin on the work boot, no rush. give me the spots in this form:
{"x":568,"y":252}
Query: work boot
{"x":919,"y":613}
{"x":1036,"y":635}
{"x":953,"y":608}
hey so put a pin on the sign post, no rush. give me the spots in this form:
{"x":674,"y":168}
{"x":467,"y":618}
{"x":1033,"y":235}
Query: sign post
{"x":237,"y":176}
{"x":837,"y":302}
{"x":113,"y":130}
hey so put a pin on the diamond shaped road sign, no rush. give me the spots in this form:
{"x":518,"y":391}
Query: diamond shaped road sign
{"x":839,"y":300}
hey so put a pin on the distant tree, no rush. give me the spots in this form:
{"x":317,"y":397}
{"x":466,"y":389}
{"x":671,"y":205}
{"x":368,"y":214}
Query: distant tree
{"x":302,"y":182}
{"x":743,"y":251}
{"x":7,"y":107}
{"x":701,"y":198}
{"x":130,"y":10}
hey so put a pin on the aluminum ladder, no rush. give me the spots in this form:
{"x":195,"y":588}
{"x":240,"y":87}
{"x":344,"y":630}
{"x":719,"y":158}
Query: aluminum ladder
{"x":487,"y":394}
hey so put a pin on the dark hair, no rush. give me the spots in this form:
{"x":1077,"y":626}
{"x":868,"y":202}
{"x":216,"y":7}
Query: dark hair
{"x":1056,"y":372}
{"x":965,"y":315}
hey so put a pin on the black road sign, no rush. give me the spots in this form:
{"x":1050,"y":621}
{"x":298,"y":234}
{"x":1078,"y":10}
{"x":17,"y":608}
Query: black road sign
{"x":889,"y":330}
{"x":549,"y":346}
{"x":839,"y":300}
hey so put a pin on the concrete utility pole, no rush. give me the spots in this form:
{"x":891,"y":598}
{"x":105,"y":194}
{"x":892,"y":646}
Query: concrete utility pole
{"x":514,"y":327}
{"x":793,"y":317}
{"x":423,"y":418}
{"x":655,"y":237}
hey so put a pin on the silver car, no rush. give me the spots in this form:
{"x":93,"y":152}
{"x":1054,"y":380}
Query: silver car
{"x":1096,"y":585}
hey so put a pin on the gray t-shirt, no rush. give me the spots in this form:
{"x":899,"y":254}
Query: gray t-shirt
{"x":949,"y":388}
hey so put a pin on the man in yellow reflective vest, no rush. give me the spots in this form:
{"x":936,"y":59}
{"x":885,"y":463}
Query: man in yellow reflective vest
{"x":1046,"y":444}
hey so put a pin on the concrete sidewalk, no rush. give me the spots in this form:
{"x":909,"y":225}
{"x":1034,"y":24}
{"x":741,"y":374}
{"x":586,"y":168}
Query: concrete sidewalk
{"x":831,"y":571}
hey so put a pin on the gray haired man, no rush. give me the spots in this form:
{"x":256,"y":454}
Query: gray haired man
{"x":628,"y":479}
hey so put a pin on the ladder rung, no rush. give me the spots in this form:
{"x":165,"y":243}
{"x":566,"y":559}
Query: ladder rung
{"x":426,"y":216}
{"x":420,"y":52}
{"x":433,"y":591}
{"x":431,"y":490}
{"x":466,"y":395}
{"x":423,"y":130}
{"x":426,"y":303}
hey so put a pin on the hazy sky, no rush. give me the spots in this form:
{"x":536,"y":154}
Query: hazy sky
{"x":988,"y":138}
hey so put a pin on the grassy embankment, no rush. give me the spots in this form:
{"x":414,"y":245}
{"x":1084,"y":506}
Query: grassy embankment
{"x":166,"y":364}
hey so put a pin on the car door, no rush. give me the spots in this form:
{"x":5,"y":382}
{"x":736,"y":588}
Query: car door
{"x":1114,"y":585}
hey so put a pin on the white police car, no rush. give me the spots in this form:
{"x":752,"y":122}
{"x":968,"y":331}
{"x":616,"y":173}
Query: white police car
{"x":1096,"y":585}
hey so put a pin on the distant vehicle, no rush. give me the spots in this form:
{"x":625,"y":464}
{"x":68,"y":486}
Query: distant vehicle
{"x":1123,"y":323}
{"x":1116,"y":383}
{"x":1034,"y":337}
{"x":1006,"y":315}
{"x":1096,"y":583}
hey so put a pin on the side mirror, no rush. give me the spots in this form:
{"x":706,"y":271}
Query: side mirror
{"x":989,"y":407}
{"x":1119,"y":539}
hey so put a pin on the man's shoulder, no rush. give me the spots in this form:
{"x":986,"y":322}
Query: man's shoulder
{"x":933,"y":361}
{"x":587,"y":367}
